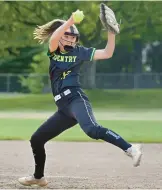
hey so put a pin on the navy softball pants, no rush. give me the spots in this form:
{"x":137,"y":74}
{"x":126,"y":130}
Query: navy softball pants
{"x":78,"y":110}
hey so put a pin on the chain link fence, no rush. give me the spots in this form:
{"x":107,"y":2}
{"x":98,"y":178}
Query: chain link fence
{"x":13,"y":82}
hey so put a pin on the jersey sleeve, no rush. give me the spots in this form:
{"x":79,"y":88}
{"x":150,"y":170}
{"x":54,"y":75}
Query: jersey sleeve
{"x":86,"y":54}
{"x":50,"y":54}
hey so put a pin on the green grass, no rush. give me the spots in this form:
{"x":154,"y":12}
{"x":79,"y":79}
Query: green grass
{"x":133,"y":131}
{"x":108,"y":99}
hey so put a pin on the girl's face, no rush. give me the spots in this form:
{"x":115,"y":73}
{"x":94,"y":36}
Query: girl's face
{"x":68,"y":39}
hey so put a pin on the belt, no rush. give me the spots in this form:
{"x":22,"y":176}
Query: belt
{"x":59,"y":96}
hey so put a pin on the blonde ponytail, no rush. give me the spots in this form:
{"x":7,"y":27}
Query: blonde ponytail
{"x":44,"y":32}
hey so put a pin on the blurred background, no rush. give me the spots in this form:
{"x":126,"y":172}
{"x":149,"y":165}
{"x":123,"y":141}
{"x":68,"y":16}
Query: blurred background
{"x":136,"y":63}
{"x":125,"y":91}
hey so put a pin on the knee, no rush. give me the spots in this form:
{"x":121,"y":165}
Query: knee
{"x":36,"y":141}
{"x":93,"y":132}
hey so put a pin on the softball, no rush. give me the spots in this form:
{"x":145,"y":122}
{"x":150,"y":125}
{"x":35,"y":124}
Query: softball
{"x":78,"y":16}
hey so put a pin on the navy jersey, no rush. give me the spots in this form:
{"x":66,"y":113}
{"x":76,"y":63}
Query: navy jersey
{"x":64,"y":67}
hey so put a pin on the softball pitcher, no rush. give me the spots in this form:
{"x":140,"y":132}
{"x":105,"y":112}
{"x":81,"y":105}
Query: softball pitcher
{"x":66,"y":57}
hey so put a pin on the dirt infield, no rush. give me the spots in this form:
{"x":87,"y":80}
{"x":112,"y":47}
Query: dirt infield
{"x":82,"y":166}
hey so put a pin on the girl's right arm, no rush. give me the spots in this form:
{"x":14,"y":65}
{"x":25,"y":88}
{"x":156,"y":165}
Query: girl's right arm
{"x":58,"y":33}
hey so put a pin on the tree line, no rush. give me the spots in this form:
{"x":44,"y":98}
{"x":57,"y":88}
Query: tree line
{"x":140,"y":26}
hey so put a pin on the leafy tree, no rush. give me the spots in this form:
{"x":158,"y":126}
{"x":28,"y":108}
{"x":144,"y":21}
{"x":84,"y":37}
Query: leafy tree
{"x":37,"y":81}
{"x":139,"y":26}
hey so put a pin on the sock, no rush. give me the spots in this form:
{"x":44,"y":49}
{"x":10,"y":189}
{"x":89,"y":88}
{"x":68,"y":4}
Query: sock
{"x":39,"y":157}
{"x":115,"y":139}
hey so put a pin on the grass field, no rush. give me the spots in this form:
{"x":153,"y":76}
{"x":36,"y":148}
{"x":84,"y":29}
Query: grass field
{"x":102,"y":99}
{"x":131,"y":130}
{"x":146,"y":127}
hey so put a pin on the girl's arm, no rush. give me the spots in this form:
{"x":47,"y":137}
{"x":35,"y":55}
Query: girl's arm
{"x":58,"y":33}
{"x":109,"y":49}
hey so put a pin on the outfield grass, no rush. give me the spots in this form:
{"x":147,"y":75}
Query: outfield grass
{"x":108,"y":99}
{"x":133,"y":131}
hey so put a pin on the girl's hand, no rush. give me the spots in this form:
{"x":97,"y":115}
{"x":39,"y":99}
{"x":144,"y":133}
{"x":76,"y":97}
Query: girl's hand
{"x":77,"y":17}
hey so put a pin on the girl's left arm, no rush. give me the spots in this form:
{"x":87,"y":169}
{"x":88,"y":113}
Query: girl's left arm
{"x":109,"y":49}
